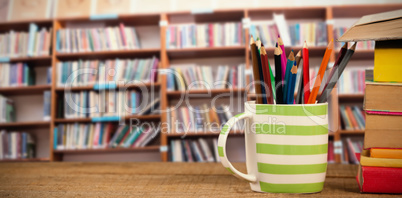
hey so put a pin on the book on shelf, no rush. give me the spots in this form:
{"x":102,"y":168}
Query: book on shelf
{"x":362,"y":45}
{"x":46,"y":105}
{"x":92,"y":104}
{"x":203,"y":77}
{"x":331,"y":153}
{"x":102,"y":72}
{"x":75,"y":40}
{"x":314,"y":33}
{"x":353,"y":117}
{"x":103,"y":135}
{"x":352,"y":81}
{"x":16,"y":75}
{"x":194,"y":150}
{"x":349,"y":150}
{"x":16,"y":145}
{"x":22,"y":44}
{"x":49,"y":75}
{"x":199,"y":119}
{"x":204,"y":35}
{"x":7,"y":108}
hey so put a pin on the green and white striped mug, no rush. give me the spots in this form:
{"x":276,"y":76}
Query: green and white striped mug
{"x":286,"y":147}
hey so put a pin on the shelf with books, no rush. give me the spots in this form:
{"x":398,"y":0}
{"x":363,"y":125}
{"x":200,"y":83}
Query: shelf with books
{"x":156,"y":87}
{"x":25,"y":124}
{"x":128,"y":117}
{"x":203,"y":93}
{"x":152,"y":148}
{"x":129,"y":53}
{"x":204,"y":52}
{"x":39,"y":61}
{"x":202,"y":133}
{"x":25,"y":90}
{"x":26,"y":160}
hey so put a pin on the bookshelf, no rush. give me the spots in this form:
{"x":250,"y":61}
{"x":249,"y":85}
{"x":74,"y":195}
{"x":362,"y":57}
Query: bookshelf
{"x":156,"y":46}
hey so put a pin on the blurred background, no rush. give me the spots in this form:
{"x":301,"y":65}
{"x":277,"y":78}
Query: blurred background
{"x":37,"y":35}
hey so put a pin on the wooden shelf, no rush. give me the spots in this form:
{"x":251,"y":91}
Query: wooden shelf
{"x":134,"y":53}
{"x":188,"y":53}
{"x":204,"y":93}
{"x":232,"y":15}
{"x":45,"y":61}
{"x":293,"y":13}
{"x":27,"y":90}
{"x":357,"y":11}
{"x":351,"y":97}
{"x":26,"y":160}
{"x":351,"y":132}
{"x":24,"y":24}
{"x":202,"y":133}
{"x":128,"y":86}
{"x":108,"y":150}
{"x":28,"y":124}
{"x":85,"y":120}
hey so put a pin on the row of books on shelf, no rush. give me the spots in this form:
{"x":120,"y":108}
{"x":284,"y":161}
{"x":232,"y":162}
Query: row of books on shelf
{"x":353,"y":117}
{"x":349,"y":150}
{"x":194,"y":150}
{"x":19,"y":74}
{"x":108,"y":103}
{"x":23,"y":44}
{"x":198,"y":118}
{"x":339,"y":31}
{"x":204,"y":35}
{"x":314,"y":33}
{"x":90,"y":72}
{"x":352,"y":81}
{"x":202,"y":77}
{"x":102,"y":135}
{"x":75,"y":40}
{"x":16,"y":145}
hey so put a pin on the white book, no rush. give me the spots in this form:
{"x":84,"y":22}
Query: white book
{"x":206,"y":150}
{"x":215,"y":143}
{"x":283,"y":28}
{"x":177,"y":151}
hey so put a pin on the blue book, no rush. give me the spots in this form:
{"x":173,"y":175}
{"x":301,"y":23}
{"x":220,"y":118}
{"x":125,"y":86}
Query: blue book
{"x":55,"y":138}
{"x":133,"y":137}
{"x":58,"y":41}
{"x":102,"y":128}
{"x":133,"y":102}
{"x":24,"y":145}
{"x":33,"y":28}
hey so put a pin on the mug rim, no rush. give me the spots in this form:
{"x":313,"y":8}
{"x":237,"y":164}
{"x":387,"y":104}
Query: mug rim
{"x":252,"y":102}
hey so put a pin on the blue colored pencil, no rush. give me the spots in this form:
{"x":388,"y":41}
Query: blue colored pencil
{"x":292,"y":84}
{"x":289,"y":65}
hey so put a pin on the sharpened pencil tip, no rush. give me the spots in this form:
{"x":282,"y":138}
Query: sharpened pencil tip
{"x":298,"y":53}
{"x":252,"y":40}
{"x":353,"y":46}
{"x":345,"y":45}
{"x":305,"y":45}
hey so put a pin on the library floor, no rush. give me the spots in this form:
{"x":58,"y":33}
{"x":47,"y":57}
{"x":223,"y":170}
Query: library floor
{"x":149,"y":180}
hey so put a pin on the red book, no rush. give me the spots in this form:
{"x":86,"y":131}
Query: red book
{"x":331,"y":155}
{"x":123,"y":35}
{"x":20,"y":74}
{"x":211,"y":34}
{"x":373,"y":179}
{"x":352,"y":117}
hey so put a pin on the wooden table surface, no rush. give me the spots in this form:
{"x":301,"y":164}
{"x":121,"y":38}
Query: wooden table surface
{"x":149,"y":180}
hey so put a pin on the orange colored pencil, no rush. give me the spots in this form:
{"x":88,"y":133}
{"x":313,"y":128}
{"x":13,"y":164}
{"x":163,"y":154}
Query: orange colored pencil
{"x":320,"y":75}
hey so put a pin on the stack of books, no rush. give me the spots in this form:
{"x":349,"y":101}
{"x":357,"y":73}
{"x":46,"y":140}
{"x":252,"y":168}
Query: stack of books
{"x":204,"y":35}
{"x":352,"y":117}
{"x":102,"y":135}
{"x":23,"y":44}
{"x":199,"y":119}
{"x":97,"y":39}
{"x":16,"y":145}
{"x":380,"y":169}
{"x":197,"y":150}
{"x":106,"y":103}
{"x":315,"y":34}
{"x":101,"y":72}
{"x":202,"y":77}
{"x":7,"y":109}
{"x":16,"y":74}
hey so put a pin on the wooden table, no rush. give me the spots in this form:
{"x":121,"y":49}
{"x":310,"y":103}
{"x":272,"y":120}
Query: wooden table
{"x":149,"y":180}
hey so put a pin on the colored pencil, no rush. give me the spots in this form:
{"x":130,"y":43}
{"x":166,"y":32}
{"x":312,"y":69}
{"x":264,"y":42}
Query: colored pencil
{"x":278,"y":77}
{"x":337,"y":74}
{"x":292,"y":83}
{"x":299,"y":96}
{"x":289,"y":65}
{"x":320,"y":74}
{"x":341,"y":54}
{"x":283,"y":57}
{"x":262,"y":82}
{"x":267,"y":76}
{"x":306,"y":73}
{"x":256,"y":72}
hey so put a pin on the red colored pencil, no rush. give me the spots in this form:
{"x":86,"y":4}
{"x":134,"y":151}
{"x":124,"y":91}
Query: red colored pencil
{"x":267,"y":76}
{"x":306,"y":73}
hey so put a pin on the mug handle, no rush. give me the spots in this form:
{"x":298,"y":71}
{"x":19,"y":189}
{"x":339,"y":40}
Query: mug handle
{"x":223,"y":136}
